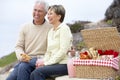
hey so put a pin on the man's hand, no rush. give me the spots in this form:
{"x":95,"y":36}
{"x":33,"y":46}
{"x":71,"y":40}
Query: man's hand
{"x":25,"y":58}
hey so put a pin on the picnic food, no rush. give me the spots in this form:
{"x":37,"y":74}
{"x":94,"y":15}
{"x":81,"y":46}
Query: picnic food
{"x":93,"y":53}
{"x":84,"y":55}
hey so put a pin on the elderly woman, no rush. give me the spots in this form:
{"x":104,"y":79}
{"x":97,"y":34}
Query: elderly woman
{"x":59,"y":42}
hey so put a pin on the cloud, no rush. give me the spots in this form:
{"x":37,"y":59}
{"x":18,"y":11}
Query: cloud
{"x":92,"y":10}
{"x":13,"y":12}
{"x":16,"y":12}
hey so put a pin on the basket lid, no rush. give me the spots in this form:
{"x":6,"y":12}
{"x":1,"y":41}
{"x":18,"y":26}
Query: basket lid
{"x":102,"y":38}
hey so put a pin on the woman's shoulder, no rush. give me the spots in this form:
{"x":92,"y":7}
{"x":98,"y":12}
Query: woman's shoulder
{"x":64,"y":26}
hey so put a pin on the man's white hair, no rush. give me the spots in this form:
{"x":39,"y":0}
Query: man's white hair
{"x":46,"y":5}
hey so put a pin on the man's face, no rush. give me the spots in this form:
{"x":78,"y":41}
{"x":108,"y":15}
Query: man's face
{"x":39,"y":13}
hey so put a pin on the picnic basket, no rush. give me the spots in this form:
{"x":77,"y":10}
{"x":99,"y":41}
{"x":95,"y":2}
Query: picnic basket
{"x":104,"y":39}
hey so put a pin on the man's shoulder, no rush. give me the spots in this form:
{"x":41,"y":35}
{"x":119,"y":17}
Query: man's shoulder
{"x":48,"y":25}
{"x":26,"y":24}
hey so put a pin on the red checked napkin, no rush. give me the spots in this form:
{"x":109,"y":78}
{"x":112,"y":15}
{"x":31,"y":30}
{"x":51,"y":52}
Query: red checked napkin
{"x":109,"y":63}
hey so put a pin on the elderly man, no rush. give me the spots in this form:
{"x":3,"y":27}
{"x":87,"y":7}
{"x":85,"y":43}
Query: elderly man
{"x":32,"y":41}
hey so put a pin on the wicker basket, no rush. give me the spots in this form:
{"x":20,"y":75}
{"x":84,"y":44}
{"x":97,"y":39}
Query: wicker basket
{"x":104,"y":38}
{"x":95,"y":72}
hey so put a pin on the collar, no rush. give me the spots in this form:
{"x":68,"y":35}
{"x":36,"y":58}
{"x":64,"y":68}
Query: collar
{"x":40,"y":24}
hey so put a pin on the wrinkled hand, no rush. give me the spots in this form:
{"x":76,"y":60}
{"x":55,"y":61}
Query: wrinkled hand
{"x":39,"y":63}
{"x":25,"y":58}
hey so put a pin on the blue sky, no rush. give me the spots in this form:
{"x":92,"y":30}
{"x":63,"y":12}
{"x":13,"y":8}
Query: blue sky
{"x":16,"y":12}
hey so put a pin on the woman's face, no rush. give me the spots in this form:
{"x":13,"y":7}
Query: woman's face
{"x":53,"y":17}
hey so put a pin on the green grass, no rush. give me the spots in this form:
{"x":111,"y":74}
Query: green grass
{"x":8,"y":59}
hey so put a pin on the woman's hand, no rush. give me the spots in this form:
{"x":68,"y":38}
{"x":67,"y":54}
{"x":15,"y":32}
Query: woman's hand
{"x":72,"y":52}
{"x":39,"y":63}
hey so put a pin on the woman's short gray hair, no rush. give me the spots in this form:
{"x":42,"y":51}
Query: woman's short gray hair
{"x":46,"y":5}
{"x":59,"y":10}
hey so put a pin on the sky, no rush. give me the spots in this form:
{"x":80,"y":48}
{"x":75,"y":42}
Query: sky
{"x":14,"y":13}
